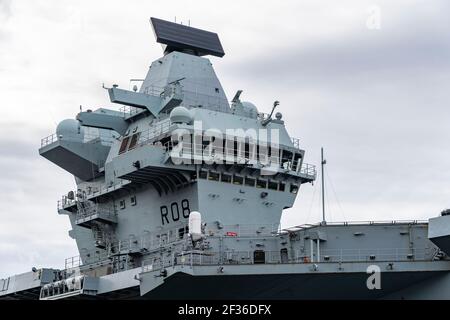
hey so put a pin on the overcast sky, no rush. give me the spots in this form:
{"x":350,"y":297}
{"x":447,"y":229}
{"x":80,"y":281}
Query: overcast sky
{"x":374,"y":93}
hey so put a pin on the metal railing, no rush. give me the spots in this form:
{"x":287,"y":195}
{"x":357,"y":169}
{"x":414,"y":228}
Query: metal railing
{"x":350,"y":223}
{"x":157,"y":240}
{"x":65,"y":202}
{"x":308,"y":169}
{"x":245,"y":230}
{"x":156,"y":130}
{"x":203,"y":258}
{"x":49,"y":140}
{"x":148,"y":242}
{"x":212,"y":153}
{"x":377,"y":254}
{"x":196,"y":99}
{"x":128,"y":111}
{"x":153,"y":90}
{"x":88,"y":193}
{"x":93,"y":209}
{"x":72,"y":262}
{"x":87,"y":138}
{"x":88,"y":258}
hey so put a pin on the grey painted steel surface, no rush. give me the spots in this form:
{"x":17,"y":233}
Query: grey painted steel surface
{"x":138,"y":181}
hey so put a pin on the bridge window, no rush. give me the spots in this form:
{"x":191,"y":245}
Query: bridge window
{"x":262,"y":184}
{"x":238,"y":180}
{"x":203,"y":174}
{"x":297,"y":161}
{"x":133,"y":200}
{"x":286,"y":160}
{"x":225,"y":178}
{"x":134,"y":140}
{"x":122,"y":204}
{"x":124,"y":145}
{"x":273,"y":185}
{"x":282,"y":186}
{"x":214,"y":176}
{"x":249,"y":182}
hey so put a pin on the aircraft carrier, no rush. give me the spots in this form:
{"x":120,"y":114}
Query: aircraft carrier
{"x":180,"y":192}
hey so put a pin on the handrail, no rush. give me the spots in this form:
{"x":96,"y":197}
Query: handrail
{"x":87,"y":138}
{"x":95,"y":209}
{"x":348,"y":223}
{"x":158,"y":129}
{"x":245,"y":230}
{"x":202,"y":258}
{"x":148,"y":242}
{"x":156,"y":240}
{"x":232,"y":154}
{"x":66,"y":202}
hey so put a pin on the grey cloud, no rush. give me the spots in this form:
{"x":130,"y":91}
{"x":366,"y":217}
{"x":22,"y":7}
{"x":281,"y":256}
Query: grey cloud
{"x":338,"y":60}
{"x":5,"y":13}
{"x":377,"y":101}
{"x":5,"y":7}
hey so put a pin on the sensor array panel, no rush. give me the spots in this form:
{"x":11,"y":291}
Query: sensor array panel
{"x":178,"y":37}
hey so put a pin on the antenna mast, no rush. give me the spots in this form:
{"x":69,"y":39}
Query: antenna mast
{"x":323,"y":162}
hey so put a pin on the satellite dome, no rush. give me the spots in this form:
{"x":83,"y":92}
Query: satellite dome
{"x":70,"y":129}
{"x":181,"y":115}
{"x":250,"y":109}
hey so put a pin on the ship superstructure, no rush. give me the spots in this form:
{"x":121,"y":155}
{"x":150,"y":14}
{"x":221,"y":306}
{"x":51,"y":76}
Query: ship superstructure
{"x":181,"y":189}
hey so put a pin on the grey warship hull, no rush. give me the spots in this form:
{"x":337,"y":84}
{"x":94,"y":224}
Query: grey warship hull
{"x":418,"y":272}
{"x":179,"y":196}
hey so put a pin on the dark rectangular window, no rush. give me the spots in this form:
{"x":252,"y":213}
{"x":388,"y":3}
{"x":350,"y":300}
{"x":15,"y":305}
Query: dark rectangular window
{"x":249,"y":182}
{"x":238,"y":180}
{"x":134,"y":140}
{"x":286,"y":160}
{"x":124,"y":145}
{"x":297,"y":161}
{"x":203,"y":174}
{"x":225,"y":178}
{"x":261,"y":183}
{"x":259,"y":257}
{"x":214,"y":176}
{"x":273,"y":185}
{"x":182,"y":232}
{"x":282,"y":186}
